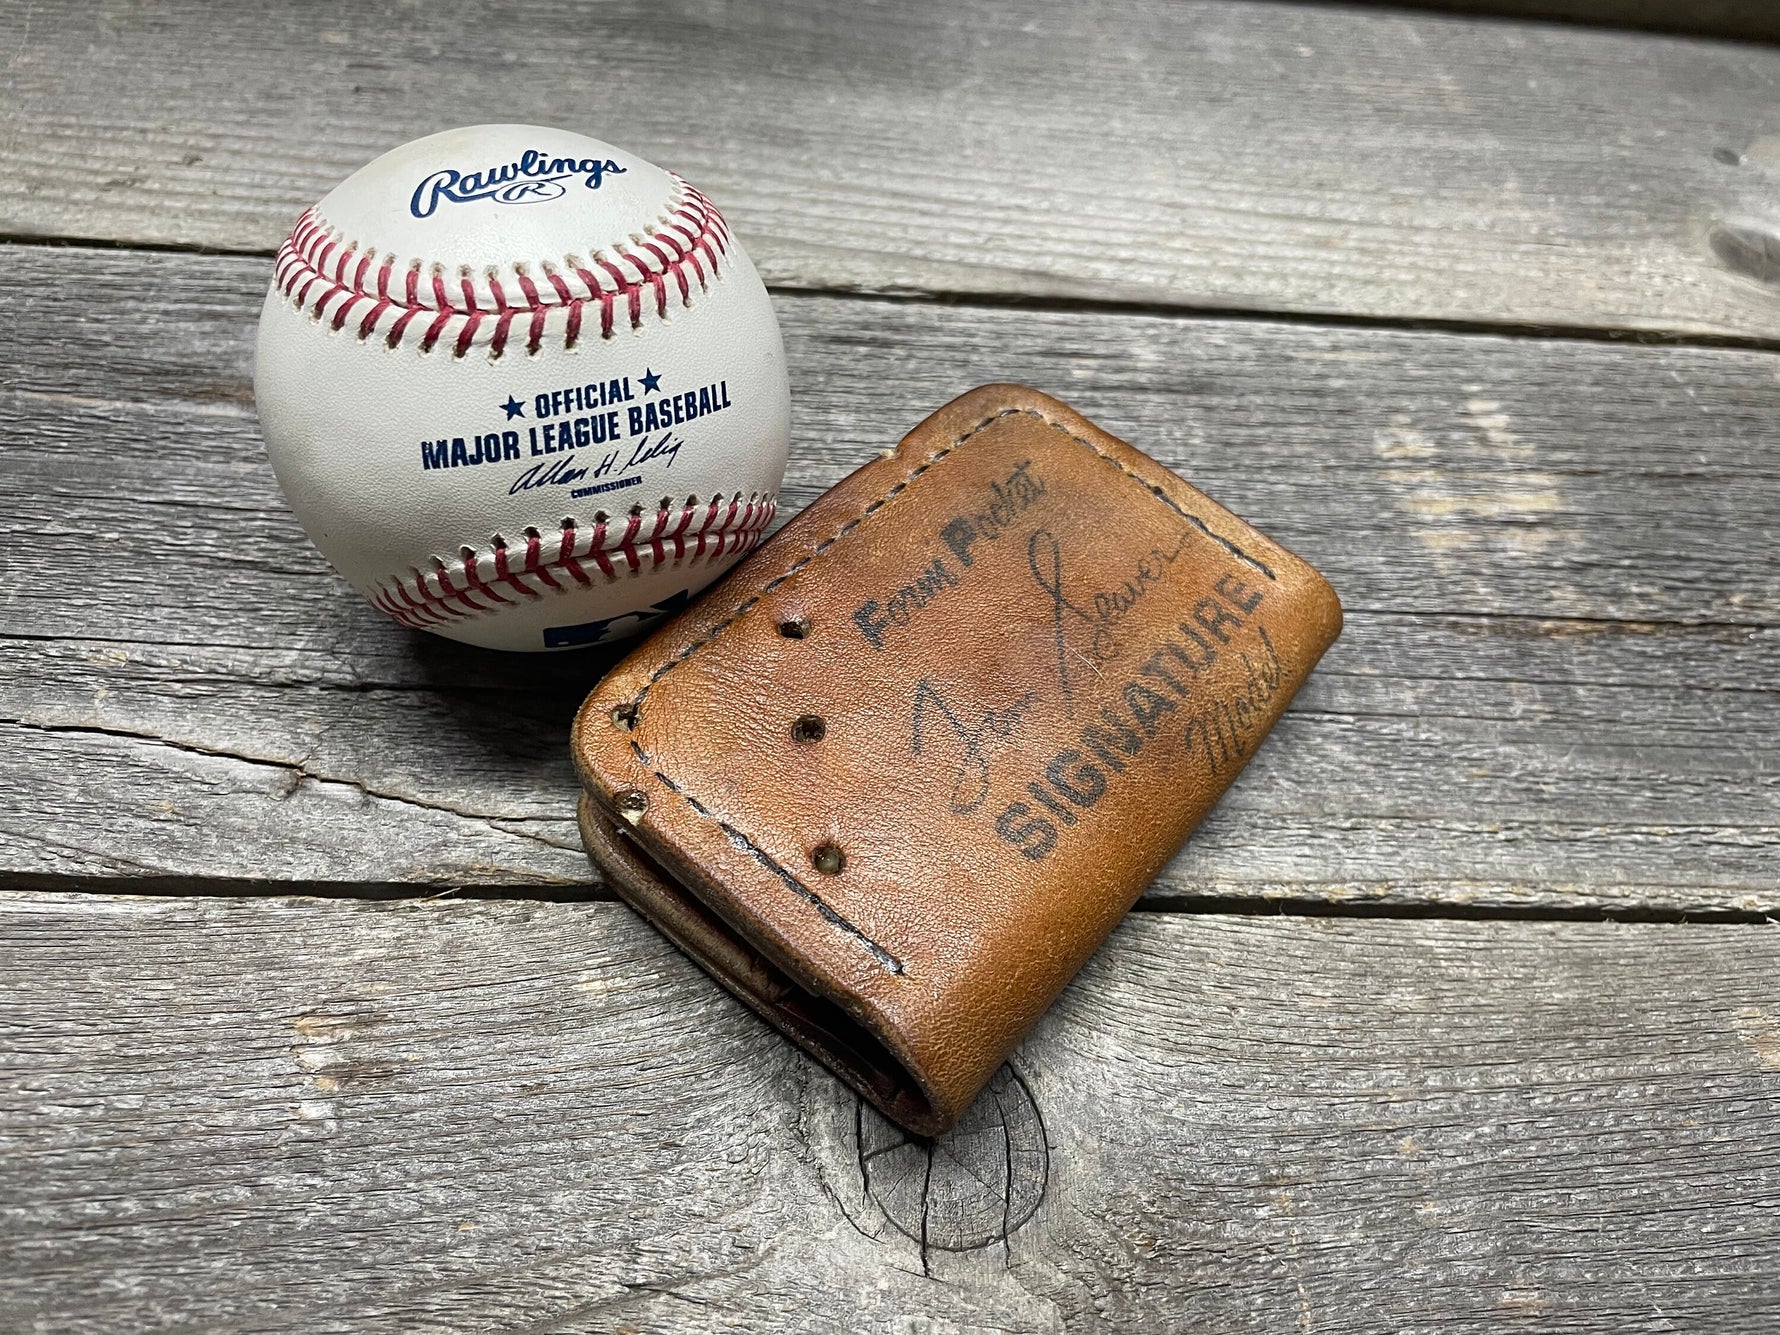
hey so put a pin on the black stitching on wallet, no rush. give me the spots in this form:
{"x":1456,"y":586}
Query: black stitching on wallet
{"x":746,"y":845}
{"x":742,"y":841}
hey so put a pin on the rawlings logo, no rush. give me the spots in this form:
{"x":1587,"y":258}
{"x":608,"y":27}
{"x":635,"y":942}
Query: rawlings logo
{"x":533,"y":178}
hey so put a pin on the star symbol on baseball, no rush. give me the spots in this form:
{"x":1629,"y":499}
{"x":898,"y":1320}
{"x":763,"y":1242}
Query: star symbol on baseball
{"x":514,"y":408}
{"x":651,"y":381}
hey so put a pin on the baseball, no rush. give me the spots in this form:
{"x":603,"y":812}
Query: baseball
{"x":522,"y":388}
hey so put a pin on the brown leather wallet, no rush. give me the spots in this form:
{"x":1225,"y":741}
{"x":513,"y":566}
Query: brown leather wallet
{"x":895,"y":778}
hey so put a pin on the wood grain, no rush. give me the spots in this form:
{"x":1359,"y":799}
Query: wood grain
{"x":1558,"y":692}
{"x":1255,"y":156}
{"x":233,"y":1114}
{"x":1557,"y":687}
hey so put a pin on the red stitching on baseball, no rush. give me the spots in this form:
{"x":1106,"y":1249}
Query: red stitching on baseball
{"x":415,"y":602}
{"x":433,"y":330}
{"x":371,"y":317}
{"x":314,"y":262}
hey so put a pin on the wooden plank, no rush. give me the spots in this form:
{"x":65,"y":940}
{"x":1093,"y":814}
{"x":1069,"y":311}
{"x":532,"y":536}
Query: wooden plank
{"x":1434,"y":473}
{"x":1432,"y":760}
{"x":1255,"y":156}
{"x":1557,"y":685}
{"x":330,"y":1116}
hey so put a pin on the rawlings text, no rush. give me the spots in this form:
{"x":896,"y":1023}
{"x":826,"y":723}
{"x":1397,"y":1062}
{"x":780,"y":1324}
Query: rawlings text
{"x":533,"y":178}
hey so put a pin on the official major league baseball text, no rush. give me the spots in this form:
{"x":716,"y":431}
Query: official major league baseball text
{"x":522,"y":388}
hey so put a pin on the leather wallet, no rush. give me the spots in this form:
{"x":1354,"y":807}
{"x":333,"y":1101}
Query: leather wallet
{"x":898,"y":774}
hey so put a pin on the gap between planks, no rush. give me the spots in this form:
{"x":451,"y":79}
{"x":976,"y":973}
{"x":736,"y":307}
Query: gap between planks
{"x":1205,"y":906}
{"x":986,"y":299}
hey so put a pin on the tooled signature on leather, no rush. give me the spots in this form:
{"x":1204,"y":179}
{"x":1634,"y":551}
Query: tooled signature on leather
{"x":975,"y":734}
{"x":411,"y":302}
{"x":572,"y":558}
{"x":736,"y":837}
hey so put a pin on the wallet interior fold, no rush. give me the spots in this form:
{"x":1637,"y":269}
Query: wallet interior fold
{"x":813,"y":1021}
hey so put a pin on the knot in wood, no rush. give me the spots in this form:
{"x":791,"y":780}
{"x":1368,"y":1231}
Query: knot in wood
{"x":973,"y":1186}
{"x":1751,"y":249}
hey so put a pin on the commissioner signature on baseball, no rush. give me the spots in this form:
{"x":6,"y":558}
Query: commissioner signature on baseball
{"x":564,"y":471}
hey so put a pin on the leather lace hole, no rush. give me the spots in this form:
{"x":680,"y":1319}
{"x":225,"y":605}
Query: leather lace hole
{"x":828,"y":858}
{"x":809,"y":728}
{"x":624,"y":716}
{"x":794,"y":628}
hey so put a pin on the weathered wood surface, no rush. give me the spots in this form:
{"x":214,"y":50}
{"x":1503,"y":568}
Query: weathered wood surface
{"x":321,"y":1116}
{"x":1559,"y":685}
{"x":1258,"y":156}
{"x":1559,"y":690}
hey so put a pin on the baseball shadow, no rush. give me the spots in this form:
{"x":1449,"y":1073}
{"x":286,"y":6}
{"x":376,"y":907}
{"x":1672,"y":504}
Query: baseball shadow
{"x":492,"y":727}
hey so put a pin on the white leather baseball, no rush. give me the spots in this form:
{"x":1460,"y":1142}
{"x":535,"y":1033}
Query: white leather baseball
{"x":522,"y":388}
